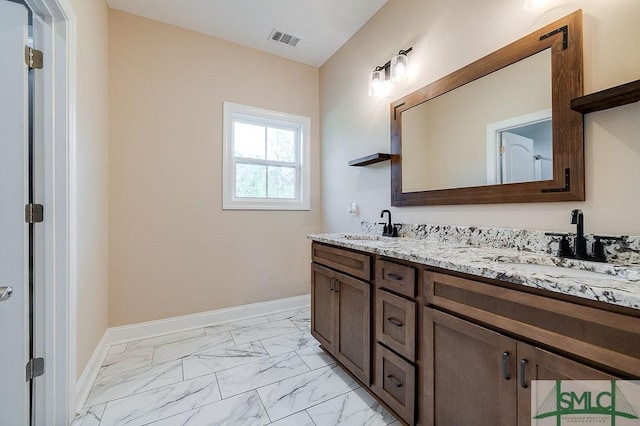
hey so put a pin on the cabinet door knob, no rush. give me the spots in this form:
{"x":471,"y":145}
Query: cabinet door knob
{"x":505,"y":366}
{"x":394,"y":381}
{"x":395,"y":321}
{"x":523,"y":373}
{"x":331,"y":283}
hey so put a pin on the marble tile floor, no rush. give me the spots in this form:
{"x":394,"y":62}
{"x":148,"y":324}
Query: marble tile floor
{"x":266,"y":370}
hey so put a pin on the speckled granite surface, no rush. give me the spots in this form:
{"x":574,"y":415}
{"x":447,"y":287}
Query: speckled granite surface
{"x":516,"y":256}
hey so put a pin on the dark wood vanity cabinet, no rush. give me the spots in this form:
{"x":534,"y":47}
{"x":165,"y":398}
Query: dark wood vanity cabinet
{"x":464,"y":382}
{"x":482,"y":353}
{"x":441,"y":348}
{"x":481,"y":377}
{"x":341,"y":313}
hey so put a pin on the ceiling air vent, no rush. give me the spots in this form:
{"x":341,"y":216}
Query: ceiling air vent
{"x":282,"y":37}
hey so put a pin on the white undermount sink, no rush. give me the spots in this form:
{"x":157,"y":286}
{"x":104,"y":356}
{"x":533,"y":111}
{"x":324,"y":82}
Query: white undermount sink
{"x":560,"y":271}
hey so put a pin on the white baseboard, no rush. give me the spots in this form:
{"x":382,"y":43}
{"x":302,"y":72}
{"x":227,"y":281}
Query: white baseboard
{"x":143,"y":330}
{"x":90,"y":372}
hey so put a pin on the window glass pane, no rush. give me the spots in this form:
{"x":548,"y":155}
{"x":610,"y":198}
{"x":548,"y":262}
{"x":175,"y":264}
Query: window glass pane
{"x":248,"y":140}
{"x":282,"y":182}
{"x":251,"y":180}
{"x":281,"y":144}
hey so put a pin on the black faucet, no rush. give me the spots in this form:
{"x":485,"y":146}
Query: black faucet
{"x":579,"y":242}
{"x":598,"y":252}
{"x":389,"y":230}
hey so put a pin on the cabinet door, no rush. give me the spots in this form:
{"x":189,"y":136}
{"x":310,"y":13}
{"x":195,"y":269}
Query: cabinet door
{"x":323,"y":307}
{"x":353,"y":328}
{"x":538,"y":364}
{"x":469,"y":373}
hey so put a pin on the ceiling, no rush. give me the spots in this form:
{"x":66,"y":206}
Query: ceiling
{"x":323,"y":25}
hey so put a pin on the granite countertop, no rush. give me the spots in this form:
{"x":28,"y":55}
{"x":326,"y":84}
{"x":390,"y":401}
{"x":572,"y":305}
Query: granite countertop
{"x":618,"y":284}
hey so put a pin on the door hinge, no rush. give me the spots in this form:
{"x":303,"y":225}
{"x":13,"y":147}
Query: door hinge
{"x":35,"y":368}
{"x":33,"y":58}
{"x":503,"y":149}
{"x":33,"y":213}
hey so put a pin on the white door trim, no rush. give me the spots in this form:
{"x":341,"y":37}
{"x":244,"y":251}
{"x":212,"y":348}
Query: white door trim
{"x":56,"y":327}
{"x":494,"y":141}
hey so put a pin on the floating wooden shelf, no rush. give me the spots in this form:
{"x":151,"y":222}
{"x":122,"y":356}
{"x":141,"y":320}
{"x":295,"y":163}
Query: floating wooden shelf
{"x":370,"y":159}
{"x":609,"y":98}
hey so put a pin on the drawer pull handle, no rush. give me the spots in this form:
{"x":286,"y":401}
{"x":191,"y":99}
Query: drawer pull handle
{"x":505,"y":366}
{"x":395,"y":322}
{"x":394,"y":381}
{"x":523,"y":372}
{"x":395,"y":277}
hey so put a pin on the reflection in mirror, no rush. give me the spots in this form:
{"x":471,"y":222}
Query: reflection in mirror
{"x":486,"y":132}
{"x":520,"y":149}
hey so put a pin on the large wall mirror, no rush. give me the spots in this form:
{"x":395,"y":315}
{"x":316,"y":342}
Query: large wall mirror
{"x":499,"y":130}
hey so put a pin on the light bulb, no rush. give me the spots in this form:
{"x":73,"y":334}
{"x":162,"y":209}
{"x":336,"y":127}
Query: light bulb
{"x":377,"y":84}
{"x":399,"y":68}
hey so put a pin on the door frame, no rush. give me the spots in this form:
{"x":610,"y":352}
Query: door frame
{"x":494,"y":141}
{"x":56,"y":241}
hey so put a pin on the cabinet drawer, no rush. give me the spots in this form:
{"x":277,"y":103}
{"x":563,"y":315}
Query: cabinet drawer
{"x":396,"y":277}
{"x":395,"y":383}
{"x":396,"y":323}
{"x":349,"y":262}
{"x":605,"y":338}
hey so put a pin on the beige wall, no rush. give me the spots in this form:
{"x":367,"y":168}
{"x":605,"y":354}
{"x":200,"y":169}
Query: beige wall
{"x":92,"y":175}
{"x":445,"y":36}
{"x":173,"y":250}
{"x":441,"y":149}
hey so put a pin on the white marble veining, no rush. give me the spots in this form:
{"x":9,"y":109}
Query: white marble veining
{"x":125,"y":361}
{"x":288,"y":342}
{"x":187,"y":347}
{"x":266,"y":371}
{"x":301,"y":318}
{"x":263,"y":331}
{"x":108,"y":388}
{"x":315,"y":357}
{"x":501,"y":264}
{"x":157,"y":404}
{"x":234,"y":325}
{"x":245,"y":409}
{"x":89,"y":416}
{"x":209,"y":380}
{"x":298,"y":393}
{"x":164,"y":339}
{"x":116,"y":349}
{"x":219,"y":359}
{"x":298,"y":419}
{"x":353,"y":408}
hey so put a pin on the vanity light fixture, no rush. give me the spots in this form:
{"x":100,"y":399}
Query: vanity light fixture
{"x":396,"y":70}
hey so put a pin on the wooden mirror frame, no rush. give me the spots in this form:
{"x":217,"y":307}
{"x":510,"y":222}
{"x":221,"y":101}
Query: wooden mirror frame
{"x":564,"y":38}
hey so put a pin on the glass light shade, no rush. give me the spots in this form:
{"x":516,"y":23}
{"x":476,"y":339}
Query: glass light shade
{"x":399,"y":68}
{"x":377,"y":84}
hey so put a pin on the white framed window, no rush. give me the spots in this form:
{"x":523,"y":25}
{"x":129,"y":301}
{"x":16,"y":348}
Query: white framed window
{"x":265,"y":159}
